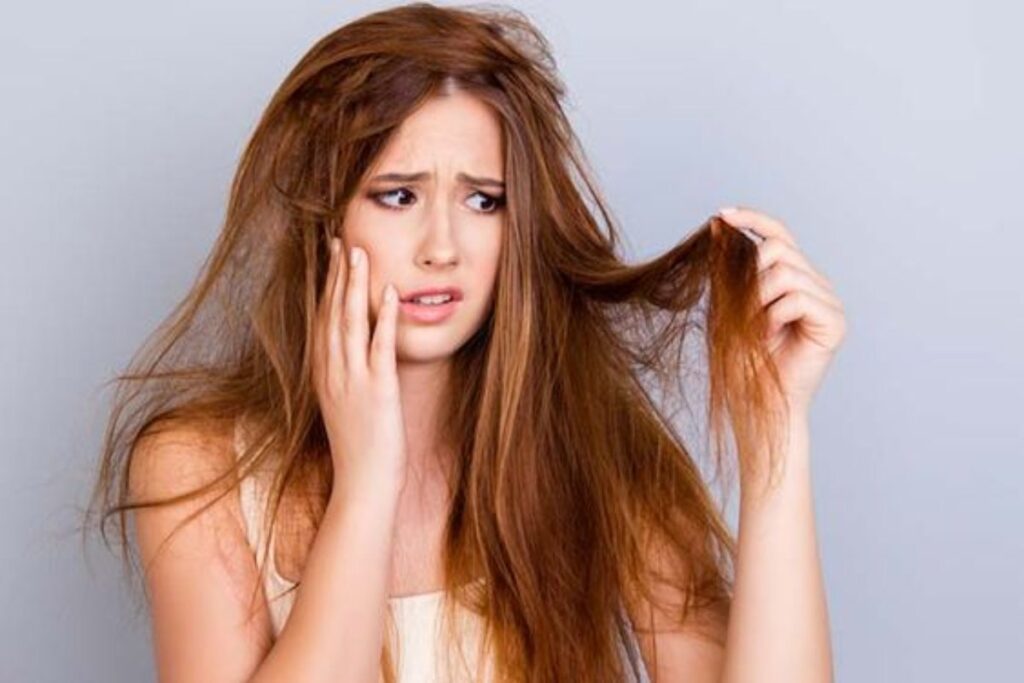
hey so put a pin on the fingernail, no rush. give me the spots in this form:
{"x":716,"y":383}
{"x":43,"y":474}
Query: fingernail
{"x":727,"y":210}
{"x":389,"y":293}
{"x":357,"y":256}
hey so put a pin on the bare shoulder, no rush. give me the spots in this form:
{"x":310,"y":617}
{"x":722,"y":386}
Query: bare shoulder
{"x":200,"y":572}
{"x":693,"y":651}
{"x":173,"y":461}
{"x":168,"y":460}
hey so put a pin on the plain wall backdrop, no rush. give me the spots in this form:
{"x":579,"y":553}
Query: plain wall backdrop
{"x":887,"y":135}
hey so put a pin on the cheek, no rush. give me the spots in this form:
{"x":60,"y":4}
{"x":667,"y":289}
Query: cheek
{"x":381,"y":273}
{"x":491,"y":276}
{"x":487,"y":254}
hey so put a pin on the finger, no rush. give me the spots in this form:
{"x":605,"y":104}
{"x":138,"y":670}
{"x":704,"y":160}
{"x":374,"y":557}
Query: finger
{"x":774,"y":250}
{"x":762,"y":224}
{"x":818,"y":319}
{"x":323,"y":305}
{"x":355,"y":315}
{"x":335,"y":322}
{"x":323,"y":308}
{"x":382,"y":348}
{"x":781,"y":278}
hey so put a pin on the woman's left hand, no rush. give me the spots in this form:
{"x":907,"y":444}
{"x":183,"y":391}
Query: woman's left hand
{"x":806,"y":320}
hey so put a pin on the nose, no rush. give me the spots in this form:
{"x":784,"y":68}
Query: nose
{"x":438,"y":247}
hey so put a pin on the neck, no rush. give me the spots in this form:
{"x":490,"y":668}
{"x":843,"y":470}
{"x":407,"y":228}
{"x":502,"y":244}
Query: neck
{"x":423,"y":388}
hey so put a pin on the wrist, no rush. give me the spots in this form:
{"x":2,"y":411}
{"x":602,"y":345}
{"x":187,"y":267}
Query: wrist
{"x":374,"y":493}
{"x":791,"y":461}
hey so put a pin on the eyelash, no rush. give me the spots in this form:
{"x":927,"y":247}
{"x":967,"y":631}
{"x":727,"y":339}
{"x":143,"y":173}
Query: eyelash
{"x":499,"y":200}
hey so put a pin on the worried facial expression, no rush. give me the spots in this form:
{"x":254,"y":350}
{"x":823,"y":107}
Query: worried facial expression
{"x":430,"y":214}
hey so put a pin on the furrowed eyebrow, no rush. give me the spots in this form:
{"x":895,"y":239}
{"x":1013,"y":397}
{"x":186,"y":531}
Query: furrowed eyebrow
{"x":423,"y":175}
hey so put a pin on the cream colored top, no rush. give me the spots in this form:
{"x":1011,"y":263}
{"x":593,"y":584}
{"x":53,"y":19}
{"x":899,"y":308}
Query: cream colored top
{"x":417,"y":617}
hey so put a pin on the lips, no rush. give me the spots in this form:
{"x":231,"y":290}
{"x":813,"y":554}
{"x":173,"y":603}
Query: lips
{"x":454,"y":292}
{"x":428,"y":313}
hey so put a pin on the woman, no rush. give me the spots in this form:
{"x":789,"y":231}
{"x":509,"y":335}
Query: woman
{"x":408,"y":391}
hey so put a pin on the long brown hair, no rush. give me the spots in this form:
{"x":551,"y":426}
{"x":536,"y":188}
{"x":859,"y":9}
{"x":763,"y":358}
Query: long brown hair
{"x":569,"y":473}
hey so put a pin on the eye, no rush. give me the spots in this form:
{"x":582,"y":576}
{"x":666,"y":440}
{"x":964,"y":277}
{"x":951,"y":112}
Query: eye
{"x":496,"y":202}
{"x":491,"y":203}
{"x":379,"y":197}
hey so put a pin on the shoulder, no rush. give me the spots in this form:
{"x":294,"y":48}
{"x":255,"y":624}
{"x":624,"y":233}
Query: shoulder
{"x":180,"y":477}
{"x":200,"y":573}
{"x":167,"y":458}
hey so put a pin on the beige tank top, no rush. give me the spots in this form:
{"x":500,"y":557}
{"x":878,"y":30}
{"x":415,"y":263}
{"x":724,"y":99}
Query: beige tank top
{"x":417,"y":617}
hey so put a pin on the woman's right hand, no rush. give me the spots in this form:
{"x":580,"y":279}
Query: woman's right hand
{"x":356,"y":380}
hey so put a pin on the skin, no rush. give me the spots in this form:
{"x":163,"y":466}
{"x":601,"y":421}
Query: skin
{"x":437,"y":231}
{"x":778,"y":628}
{"x":433,"y":232}
{"x":371,"y":537}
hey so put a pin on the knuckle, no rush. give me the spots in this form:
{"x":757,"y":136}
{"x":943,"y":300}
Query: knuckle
{"x":775,"y":274}
{"x":349,"y":321}
{"x":784,"y":246}
{"x":351,"y":384}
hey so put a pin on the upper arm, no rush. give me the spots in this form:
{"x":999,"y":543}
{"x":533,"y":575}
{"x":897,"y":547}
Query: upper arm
{"x":693,"y":652}
{"x":199,"y":579}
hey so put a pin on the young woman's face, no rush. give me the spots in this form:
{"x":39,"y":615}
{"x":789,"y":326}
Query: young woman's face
{"x":440,"y":229}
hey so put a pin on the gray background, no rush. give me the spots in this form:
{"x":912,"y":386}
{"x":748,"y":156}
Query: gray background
{"x":886,"y":135}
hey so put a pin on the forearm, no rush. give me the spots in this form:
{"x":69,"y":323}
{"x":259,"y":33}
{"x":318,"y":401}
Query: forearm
{"x":778,"y":627}
{"x":334,"y":632}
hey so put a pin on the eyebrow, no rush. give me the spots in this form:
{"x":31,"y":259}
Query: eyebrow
{"x":423,"y":175}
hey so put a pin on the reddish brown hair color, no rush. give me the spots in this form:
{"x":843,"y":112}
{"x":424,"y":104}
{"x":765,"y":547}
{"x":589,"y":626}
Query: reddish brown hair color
{"x":568,"y":477}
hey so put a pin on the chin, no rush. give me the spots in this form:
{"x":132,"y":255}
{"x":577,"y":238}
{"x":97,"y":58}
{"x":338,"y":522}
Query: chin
{"x":424,"y":346}
{"x":428,"y":344}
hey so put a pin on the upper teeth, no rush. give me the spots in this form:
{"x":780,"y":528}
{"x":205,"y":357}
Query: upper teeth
{"x":433,"y":299}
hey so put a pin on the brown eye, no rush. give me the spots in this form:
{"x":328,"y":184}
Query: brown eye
{"x":379,"y":197}
{"x":491,"y":203}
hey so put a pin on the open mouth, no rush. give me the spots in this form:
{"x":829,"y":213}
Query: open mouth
{"x":429,"y":309}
